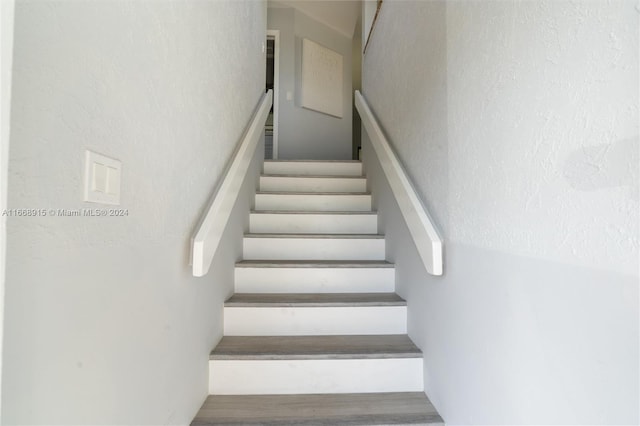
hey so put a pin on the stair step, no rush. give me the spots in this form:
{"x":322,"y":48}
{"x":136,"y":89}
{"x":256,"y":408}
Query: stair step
{"x":341,"y":194}
{"x":302,"y":276}
{"x":313,"y":222}
{"x":304,"y":314}
{"x":310,"y":167}
{"x":312,"y":183}
{"x":407,"y":408}
{"x":314,"y":264}
{"x":315,"y":364}
{"x":314,"y":300}
{"x":313,"y":247}
{"x":315,"y":333}
{"x":315,"y":347}
{"x":313,"y":201}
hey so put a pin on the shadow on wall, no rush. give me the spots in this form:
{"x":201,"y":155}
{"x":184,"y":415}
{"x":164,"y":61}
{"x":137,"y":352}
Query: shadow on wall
{"x":604,"y":166}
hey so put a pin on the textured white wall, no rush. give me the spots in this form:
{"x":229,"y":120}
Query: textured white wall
{"x":530,"y":114}
{"x":302,"y":133}
{"x":553,"y":123}
{"x":518,"y":123}
{"x":104,"y":323}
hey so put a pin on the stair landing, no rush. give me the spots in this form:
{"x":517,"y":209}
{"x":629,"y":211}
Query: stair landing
{"x":399,"y":408}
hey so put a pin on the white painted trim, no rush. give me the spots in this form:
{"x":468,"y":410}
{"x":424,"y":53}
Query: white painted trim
{"x":259,"y":377}
{"x":264,"y":247}
{"x":315,"y":280}
{"x":276,"y":88}
{"x":312,"y":184}
{"x":317,"y":168}
{"x":315,"y":202}
{"x":313,"y":223}
{"x":6,"y":57}
{"x":424,"y":232}
{"x":207,"y":238}
{"x":314,"y":321}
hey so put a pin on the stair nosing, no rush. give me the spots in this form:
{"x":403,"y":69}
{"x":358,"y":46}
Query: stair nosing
{"x":313,"y":161}
{"x":318,"y":212}
{"x":314,"y":300}
{"x":353,"y":193}
{"x":316,"y":236}
{"x":300,"y":357}
{"x":333,"y":347}
{"x":248,"y":263}
{"x":301,"y":176}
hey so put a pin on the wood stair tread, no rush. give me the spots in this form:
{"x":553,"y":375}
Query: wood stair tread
{"x":314,"y":264}
{"x":317,"y":236}
{"x":408,"y":408}
{"x":297,"y":175}
{"x":313,"y":161}
{"x":319,"y":212}
{"x":315,"y":347}
{"x":312,"y":193}
{"x":314,"y":300}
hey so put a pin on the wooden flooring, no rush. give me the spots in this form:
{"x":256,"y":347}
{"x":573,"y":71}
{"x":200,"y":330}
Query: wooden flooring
{"x":404,"y":408}
{"x":315,"y":347}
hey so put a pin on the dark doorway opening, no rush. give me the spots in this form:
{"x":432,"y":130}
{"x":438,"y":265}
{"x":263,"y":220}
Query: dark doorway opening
{"x":268,"y":130}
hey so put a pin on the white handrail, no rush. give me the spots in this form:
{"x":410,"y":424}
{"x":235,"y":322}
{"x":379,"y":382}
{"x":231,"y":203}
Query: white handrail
{"x":421,"y":227}
{"x":207,"y":238}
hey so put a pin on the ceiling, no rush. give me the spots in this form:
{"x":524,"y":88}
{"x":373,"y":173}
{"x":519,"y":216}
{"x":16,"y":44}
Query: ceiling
{"x":340,"y":15}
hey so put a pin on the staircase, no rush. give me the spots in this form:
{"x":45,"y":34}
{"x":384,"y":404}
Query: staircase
{"x":315,"y":333}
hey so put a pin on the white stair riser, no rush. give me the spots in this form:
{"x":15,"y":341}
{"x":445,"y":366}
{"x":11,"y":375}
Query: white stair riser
{"x":312,"y":168}
{"x":312,"y":184}
{"x":313,"y":202}
{"x":318,"y":321}
{"x":315,"y":376}
{"x":314,"y":280}
{"x":313,"y":223}
{"x":264,"y":248}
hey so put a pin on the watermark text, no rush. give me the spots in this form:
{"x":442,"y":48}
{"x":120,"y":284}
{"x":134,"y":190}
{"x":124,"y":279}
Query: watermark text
{"x":51,"y":212}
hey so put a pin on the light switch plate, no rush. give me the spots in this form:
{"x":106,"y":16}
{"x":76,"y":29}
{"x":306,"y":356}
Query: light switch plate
{"x":101,"y":179}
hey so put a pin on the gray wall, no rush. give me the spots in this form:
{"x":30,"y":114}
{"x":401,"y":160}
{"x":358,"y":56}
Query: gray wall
{"x":104,"y":322}
{"x":517,"y":122}
{"x":6,"y":58}
{"x":303,"y":133}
